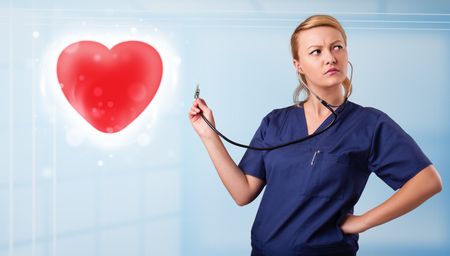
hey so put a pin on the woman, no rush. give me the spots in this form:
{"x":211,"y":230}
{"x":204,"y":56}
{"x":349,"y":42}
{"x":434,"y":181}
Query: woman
{"x":312,"y":186}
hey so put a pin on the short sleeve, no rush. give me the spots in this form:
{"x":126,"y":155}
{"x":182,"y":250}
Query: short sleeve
{"x":394,"y":156}
{"x":252,"y":161}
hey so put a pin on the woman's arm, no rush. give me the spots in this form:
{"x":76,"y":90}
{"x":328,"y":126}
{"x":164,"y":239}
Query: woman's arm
{"x":242,"y":188}
{"x":413,"y":193}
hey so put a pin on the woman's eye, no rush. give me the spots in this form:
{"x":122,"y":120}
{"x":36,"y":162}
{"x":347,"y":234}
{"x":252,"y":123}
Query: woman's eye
{"x":318,"y":51}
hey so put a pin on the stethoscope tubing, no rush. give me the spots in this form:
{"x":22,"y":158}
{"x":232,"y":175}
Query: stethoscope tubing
{"x":284,"y":144}
{"x":328,"y":106}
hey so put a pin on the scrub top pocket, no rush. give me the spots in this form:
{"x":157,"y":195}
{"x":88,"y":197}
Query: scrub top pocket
{"x":327,"y":175}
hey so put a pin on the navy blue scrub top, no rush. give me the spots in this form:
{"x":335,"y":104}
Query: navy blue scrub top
{"x":311,"y":186}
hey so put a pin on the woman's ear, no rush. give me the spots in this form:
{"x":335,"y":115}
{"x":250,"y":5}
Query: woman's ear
{"x":297,"y":66}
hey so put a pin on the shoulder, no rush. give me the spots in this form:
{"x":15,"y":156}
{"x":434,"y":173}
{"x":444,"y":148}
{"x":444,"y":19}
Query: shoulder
{"x":369,"y":113}
{"x":282,"y":110}
{"x":278,"y":114}
{"x":379,"y":121}
{"x":277,"y":117}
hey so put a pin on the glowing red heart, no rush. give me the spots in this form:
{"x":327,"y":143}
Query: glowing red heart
{"x":109,"y":88}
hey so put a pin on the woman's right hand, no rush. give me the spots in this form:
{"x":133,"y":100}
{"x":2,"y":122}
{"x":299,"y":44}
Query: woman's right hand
{"x":200,"y":126}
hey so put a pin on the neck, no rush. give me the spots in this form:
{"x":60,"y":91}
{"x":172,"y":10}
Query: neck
{"x":331,"y":95}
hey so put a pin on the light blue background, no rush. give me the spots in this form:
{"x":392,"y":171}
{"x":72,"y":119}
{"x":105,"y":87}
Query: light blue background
{"x":157,"y":192}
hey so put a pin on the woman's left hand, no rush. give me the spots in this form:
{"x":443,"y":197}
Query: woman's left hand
{"x":353,"y":224}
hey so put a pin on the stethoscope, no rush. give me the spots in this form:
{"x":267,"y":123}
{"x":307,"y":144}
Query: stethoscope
{"x":326,"y":104}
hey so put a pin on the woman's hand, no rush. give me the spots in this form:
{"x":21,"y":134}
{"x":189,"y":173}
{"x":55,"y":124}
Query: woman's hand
{"x":353,"y":224}
{"x":200,"y":126}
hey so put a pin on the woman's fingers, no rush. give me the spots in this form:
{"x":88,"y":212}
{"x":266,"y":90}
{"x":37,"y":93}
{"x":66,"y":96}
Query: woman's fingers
{"x":198,"y":106}
{"x":201,"y":102}
{"x":195,"y":110}
{"x":193,"y":115}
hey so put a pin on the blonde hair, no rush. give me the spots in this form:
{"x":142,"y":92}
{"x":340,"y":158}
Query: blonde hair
{"x":312,"y":22}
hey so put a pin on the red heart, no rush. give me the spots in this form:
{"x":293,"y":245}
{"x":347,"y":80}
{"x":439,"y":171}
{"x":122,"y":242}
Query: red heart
{"x":109,"y":88}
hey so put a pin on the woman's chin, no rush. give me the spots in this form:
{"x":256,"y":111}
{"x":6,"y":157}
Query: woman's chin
{"x":332,"y":84}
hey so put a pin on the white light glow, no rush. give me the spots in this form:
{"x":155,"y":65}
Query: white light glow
{"x":36,"y":34}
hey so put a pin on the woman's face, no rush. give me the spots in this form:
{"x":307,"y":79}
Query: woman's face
{"x":320,"y":49}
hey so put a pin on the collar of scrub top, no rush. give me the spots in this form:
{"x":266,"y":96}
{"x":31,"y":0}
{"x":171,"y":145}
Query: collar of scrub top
{"x":328,"y":106}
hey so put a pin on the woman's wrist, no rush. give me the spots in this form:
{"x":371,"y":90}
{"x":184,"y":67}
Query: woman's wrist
{"x":366,"y":221}
{"x":210,"y":138}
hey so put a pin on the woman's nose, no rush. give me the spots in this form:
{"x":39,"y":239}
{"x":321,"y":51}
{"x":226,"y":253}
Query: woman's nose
{"x":329,"y":57}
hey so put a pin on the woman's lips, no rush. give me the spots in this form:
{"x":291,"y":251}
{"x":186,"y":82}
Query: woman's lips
{"x":330,"y":73}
